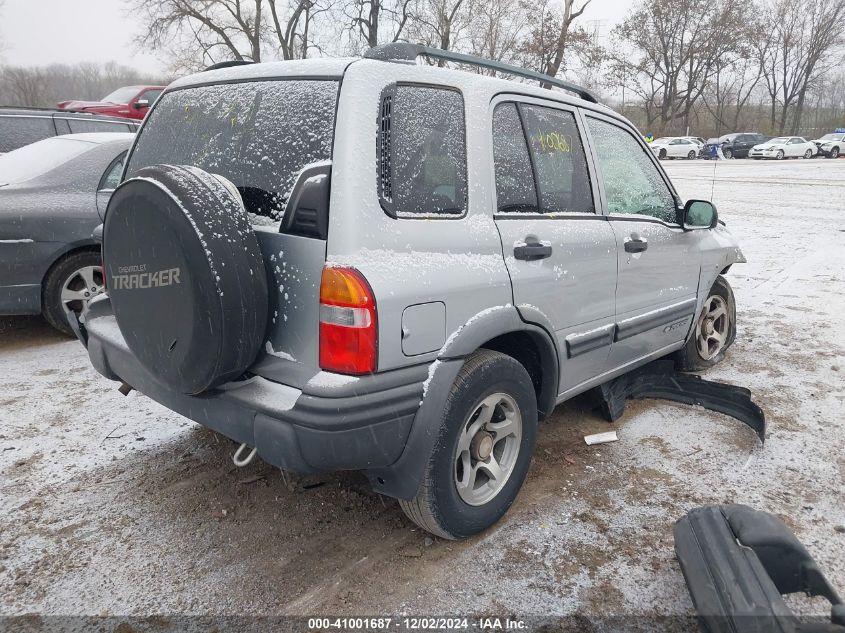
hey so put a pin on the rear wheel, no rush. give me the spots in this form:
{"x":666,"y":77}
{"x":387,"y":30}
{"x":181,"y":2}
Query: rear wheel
{"x":70,"y":284}
{"x":483,"y":449}
{"x":714,"y":331}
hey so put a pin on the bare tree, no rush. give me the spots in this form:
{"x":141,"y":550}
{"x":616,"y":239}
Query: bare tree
{"x":441,"y":23}
{"x":497,"y":30}
{"x":552,"y":33}
{"x":374,"y":22}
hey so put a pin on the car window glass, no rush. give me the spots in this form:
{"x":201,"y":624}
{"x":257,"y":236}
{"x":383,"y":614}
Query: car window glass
{"x":422,"y":151}
{"x":17,"y":131}
{"x":82,"y":126}
{"x":632,"y":183}
{"x":111,"y":177}
{"x":34,"y":160}
{"x":257,"y":134}
{"x":560,"y":165}
{"x":515,"y":189}
{"x":149,"y":95}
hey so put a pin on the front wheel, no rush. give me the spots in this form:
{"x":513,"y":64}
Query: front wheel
{"x":662,"y":154}
{"x":691,"y":155}
{"x":779,"y":155}
{"x":728,"y":153}
{"x":68,"y":287}
{"x":808,"y":154}
{"x":714,"y":331}
{"x":834,"y":153}
{"x":482,"y":451}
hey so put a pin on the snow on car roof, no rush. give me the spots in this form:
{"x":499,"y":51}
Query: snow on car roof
{"x":333,"y":67}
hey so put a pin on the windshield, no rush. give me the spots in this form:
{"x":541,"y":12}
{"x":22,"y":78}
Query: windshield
{"x":779,"y":139}
{"x":833,"y":137}
{"x":258,"y":134}
{"x":121,"y":95}
{"x":34,"y":160}
{"x":663,"y":140}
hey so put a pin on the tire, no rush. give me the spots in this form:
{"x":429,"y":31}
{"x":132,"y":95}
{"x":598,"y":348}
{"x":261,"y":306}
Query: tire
{"x":439,"y":506}
{"x":691,"y":155}
{"x":728,"y":153}
{"x":779,"y":155}
{"x":69,"y":285}
{"x":834,"y":152}
{"x":808,"y":154}
{"x":662,"y":154}
{"x":186,"y":276}
{"x":691,"y":357}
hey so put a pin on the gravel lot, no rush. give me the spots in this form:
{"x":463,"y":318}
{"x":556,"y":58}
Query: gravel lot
{"x":114,"y":505}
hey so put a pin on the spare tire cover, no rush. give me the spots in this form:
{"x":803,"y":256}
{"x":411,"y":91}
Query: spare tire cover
{"x":185,"y":276}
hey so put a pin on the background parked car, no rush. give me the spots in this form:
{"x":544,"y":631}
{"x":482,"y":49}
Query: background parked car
{"x":131,"y":102}
{"x":784,"y":147}
{"x":831,"y":145}
{"x":52,"y":196}
{"x":22,"y":126}
{"x":738,"y":145}
{"x":675,"y":147}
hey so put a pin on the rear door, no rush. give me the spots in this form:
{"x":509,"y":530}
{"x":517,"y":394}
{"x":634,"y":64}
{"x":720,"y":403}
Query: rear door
{"x":560,"y":253}
{"x":658,"y":262}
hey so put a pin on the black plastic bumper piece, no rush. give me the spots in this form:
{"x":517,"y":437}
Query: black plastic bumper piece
{"x":659,"y":379}
{"x":738,"y":562}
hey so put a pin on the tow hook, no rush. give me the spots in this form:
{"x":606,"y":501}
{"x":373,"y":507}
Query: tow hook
{"x":124,"y":388}
{"x":239,"y":461}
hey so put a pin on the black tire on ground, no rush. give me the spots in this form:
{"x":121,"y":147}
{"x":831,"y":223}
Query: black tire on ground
{"x":186,"y":276}
{"x":728,"y":152}
{"x":689,"y":358}
{"x":65,"y":274}
{"x":779,"y":155}
{"x":662,"y":154}
{"x":438,"y":506}
{"x":808,"y":154}
{"x":834,"y":152}
{"x":691,"y":155}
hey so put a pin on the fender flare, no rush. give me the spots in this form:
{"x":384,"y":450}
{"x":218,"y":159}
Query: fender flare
{"x":402,"y":479}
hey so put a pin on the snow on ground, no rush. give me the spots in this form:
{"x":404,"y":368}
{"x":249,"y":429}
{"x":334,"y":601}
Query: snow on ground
{"x":114,"y":505}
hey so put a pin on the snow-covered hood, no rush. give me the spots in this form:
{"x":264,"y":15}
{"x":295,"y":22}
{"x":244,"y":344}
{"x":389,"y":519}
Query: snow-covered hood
{"x":765,"y":146}
{"x":827,"y":141}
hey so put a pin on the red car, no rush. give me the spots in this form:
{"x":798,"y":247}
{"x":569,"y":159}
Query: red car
{"x":130,"y":102}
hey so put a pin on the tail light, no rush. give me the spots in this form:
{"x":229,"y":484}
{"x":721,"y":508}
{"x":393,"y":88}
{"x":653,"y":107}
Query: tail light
{"x":348,"y":327}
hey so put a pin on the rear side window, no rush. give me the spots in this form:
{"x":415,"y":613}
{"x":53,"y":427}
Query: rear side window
{"x":83,"y":126}
{"x":258,"y":134}
{"x":422,"y":151}
{"x":560,"y":165}
{"x":515,"y":188}
{"x":17,"y":131}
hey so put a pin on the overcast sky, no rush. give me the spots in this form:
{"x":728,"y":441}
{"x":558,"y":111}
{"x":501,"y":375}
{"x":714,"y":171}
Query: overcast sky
{"x":38,"y":32}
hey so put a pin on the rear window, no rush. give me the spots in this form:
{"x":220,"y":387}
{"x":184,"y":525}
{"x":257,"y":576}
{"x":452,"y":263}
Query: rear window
{"x":34,"y":160}
{"x":17,"y":130}
{"x":82,"y":126}
{"x":422,"y":151}
{"x":257,"y":134}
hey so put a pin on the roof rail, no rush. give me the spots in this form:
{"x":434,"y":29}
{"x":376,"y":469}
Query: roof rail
{"x":404,"y":51}
{"x":229,"y":64}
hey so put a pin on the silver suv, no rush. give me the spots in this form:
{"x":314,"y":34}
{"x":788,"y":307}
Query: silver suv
{"x":376,"y":265}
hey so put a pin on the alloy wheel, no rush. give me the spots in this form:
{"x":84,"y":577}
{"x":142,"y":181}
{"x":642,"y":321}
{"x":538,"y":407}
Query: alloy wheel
{"x":488,"y":449}
{"x":80,"y":287}
{"x":711,"y":330}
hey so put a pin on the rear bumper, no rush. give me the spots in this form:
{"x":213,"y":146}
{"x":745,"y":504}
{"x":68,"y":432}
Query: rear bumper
{"x":292,"y":429}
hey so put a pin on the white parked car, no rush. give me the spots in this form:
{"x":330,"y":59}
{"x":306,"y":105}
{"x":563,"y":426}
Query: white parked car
{"x":831,"y":145}
{"x":784,"y":147}
{"x":675,"y":147}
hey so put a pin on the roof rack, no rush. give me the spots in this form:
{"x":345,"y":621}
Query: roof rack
{"x":404,"y":51}
{"x":229,"y":64}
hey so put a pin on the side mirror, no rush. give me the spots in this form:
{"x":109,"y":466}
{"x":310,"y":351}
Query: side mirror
{"x":699,"y":214}
{"x":141,"y":104}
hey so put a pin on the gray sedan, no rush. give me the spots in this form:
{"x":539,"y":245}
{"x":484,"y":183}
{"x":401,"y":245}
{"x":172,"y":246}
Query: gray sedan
{"x":52,"y":195}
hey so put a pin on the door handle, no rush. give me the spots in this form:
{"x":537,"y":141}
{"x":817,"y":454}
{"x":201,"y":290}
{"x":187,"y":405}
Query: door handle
{"x":635,"y":244}
{"x":532,"y":251}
